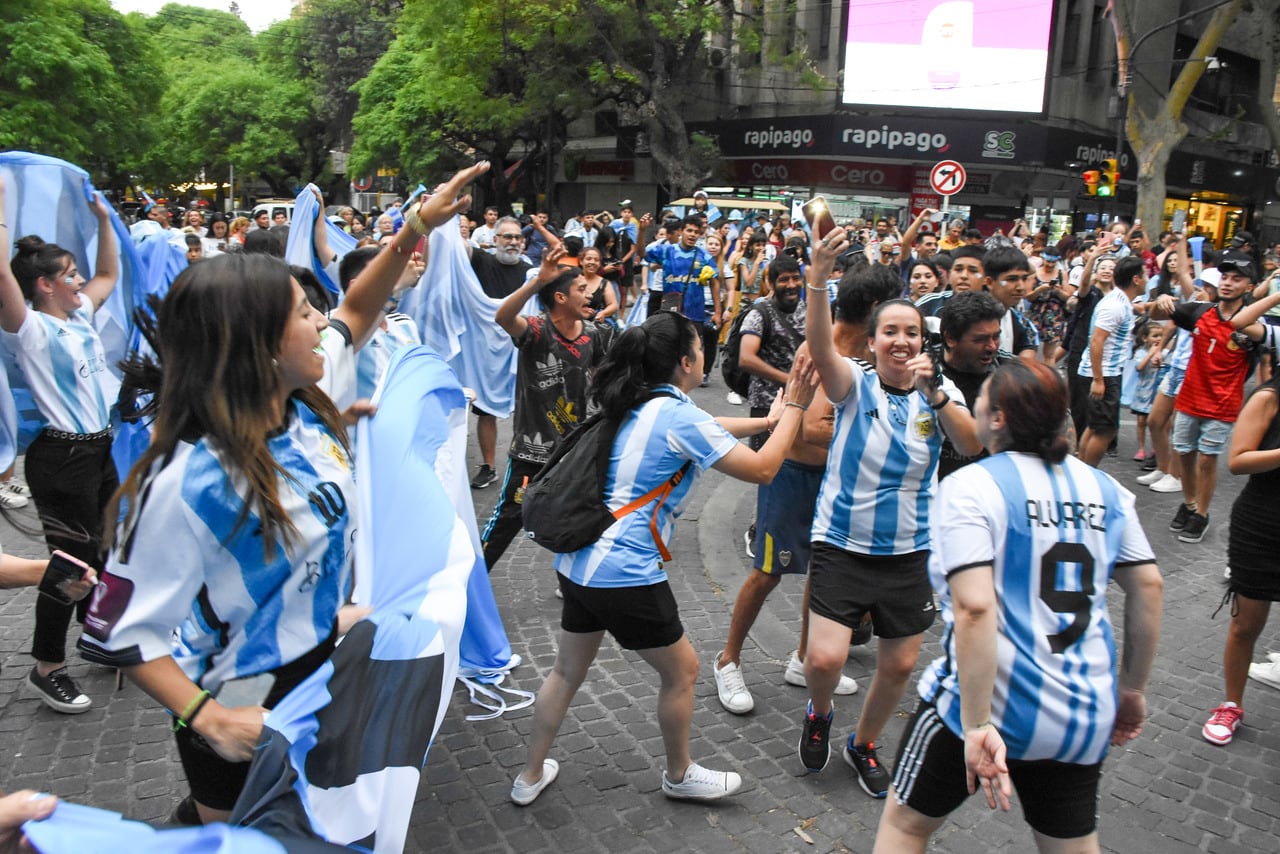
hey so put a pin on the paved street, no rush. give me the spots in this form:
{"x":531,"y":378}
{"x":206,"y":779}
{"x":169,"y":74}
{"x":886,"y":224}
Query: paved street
{"x":1168,"y":792}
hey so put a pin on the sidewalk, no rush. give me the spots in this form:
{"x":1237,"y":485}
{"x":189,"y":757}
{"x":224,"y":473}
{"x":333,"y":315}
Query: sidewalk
{"x":1168,"y":791}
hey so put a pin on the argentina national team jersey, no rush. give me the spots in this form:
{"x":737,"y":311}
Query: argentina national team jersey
{"x":1113,"y":313}
{"x":1053,"y":534}
{"x":66,"y":369}
{"x":881,"y":468}
{"x":237,"y":612}
{"x":653,"y":443}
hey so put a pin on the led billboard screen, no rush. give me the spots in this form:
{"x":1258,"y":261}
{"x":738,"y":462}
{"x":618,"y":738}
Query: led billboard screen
{"x":956,"y":54}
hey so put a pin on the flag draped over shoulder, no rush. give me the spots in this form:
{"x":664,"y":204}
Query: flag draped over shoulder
{"x":76,"y":829}
{"x":456,"y":319}
{"x":301,"y":247}
{"x":341,"y":755}
{"x":50,"y":198}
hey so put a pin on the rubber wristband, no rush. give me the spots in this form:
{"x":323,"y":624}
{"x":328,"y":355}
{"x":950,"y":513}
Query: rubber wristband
{"x":189,"y":712}
{"x":799,"y":406}
{"x":204,"y":701}
{"x":938,"y":407}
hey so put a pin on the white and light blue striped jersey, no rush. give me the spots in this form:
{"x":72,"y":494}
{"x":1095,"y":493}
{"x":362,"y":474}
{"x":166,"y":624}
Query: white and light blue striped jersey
{"x":882,"y":468}
{"x":1053,"y":535}
{"x":340,"y":359}
{"x":653,"y":443}
{"x":66,"y":369}
{"x":186,"y":566}
{"x":1113,"y":313}
{"x":373,"y":358}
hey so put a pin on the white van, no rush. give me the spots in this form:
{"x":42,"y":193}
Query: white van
{"x":271,"y":206}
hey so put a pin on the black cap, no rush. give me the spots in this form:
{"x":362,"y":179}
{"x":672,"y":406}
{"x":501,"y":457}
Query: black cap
{"x":1234,"y":259}
{"x":1240,"y":238}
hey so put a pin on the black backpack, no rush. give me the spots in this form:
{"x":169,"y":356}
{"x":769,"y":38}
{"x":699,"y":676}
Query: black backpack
{"x":737,"y":379}
{"x":563,"y":506}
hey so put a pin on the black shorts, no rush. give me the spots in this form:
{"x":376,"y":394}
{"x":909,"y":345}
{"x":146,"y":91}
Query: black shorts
{"x":784,"y":517}
{"x":1104,"y":415}
{"x":637,"y":617}
{"x":895,"y":589}
{"x":1059,"y":800}
{"x":214,"y":781}
{"x":478,"y":411}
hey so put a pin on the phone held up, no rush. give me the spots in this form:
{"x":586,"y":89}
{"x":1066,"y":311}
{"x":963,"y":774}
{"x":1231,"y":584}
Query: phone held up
{"x":818,"y":215}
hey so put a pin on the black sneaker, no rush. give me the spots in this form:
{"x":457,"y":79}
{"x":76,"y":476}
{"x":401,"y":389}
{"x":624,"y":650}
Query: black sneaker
{"x":1181,"y":518}
{"x":1149,"y":464}
{"x":815,"y":744}
{"x":1194,"y":530}
{"x":59,"y":692}
{"x":871,"y":775}
{"x":484,"y":477}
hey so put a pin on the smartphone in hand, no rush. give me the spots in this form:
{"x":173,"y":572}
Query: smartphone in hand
{"x":63,"y":569}
{"x":818,"y":215}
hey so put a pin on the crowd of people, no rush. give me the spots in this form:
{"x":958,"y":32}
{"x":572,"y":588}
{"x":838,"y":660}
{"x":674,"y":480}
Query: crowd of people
{"x":926,"y":413}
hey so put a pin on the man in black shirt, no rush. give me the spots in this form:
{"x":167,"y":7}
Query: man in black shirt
{"x":970,"y":330}
{"x":501,"y":274}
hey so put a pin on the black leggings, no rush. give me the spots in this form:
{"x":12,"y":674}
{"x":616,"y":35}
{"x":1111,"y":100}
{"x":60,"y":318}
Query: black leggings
{"x":507,"y":518}
{"x":71,"y":482}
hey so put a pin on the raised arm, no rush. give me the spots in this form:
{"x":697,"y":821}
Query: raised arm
{"x":106,"y":268}
{"x":320,"y":234}
{"x":837,"y":379}
{"x":13,"y":308}
{"x":783,"y":422}
{"x":909,"y":236}
{"x":361,"y":309}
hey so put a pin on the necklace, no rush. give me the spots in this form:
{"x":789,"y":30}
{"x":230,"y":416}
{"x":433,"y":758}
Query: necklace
{"x":899,"y":404}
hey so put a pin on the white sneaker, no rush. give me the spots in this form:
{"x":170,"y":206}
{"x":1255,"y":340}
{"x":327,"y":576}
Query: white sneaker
{"x":523,"y":793}
{"x":17,"y":487}
{"x":11,"y":500}
{"x":1168,"y":483}
{"x":732,"y":689}
{"x":1267,"y":673}
{"x":794,"y":675}
{"x":1151,"y":477}
{"x":735,"y":398}
{"x":701,"y":784}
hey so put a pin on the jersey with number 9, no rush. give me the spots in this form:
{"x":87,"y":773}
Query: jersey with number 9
{"x":1052,"y":534}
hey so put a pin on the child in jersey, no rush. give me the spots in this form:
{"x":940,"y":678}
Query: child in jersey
{"x":1026,"y":689}
{"x":871,"y":529}
{"x":1149,"y":367}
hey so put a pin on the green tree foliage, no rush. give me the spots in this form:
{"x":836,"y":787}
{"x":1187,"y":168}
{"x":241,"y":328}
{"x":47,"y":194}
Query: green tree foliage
{"x":468,"y":81}
{"x":77,"y":81}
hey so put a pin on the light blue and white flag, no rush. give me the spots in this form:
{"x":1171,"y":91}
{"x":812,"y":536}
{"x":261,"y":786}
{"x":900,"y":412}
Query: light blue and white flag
{"x":301,"y":248}
{"x":342,"y":754}
{"x":638,"y":313}
{"x":456,"y":318}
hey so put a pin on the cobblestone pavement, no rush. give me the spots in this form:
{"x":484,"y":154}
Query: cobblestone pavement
{"x":1169,"y":791}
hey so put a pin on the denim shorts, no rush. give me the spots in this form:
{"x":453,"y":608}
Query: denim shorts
{"x":1205,"y":435}
{"x":1172,"y":382}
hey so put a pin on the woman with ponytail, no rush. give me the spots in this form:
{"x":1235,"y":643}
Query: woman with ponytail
{"x":46,"y":311}
{"x":618,"y":584}
{"x":1026,"y":693}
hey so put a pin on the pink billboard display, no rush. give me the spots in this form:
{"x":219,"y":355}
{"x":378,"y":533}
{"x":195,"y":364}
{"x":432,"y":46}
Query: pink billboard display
{"x":956,"y":54}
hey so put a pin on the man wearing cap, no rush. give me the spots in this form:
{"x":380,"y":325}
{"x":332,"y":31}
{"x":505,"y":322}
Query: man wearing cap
{"x":1213,"y":388}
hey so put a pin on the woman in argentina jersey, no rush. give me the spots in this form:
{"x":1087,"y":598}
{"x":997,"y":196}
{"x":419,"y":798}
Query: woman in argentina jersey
{"x":871,"y":527}
{"x":68,"y":466}
{"x":1026,"y":691}
{"x":233,"y":554}
{"x":618,"y":584}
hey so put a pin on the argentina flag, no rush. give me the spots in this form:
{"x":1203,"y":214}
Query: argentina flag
{"x":341,"y":755}
{"x":301,"y":249}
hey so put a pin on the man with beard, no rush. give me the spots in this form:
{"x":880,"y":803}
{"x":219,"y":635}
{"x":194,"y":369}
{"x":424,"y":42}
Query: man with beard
{"x":501,"y":274}
{"x":970,"y":330}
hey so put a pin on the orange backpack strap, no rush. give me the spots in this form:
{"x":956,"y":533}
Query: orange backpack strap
{"x":660,"y":492}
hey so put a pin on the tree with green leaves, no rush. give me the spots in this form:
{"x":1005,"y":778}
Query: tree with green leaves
{"x":1154,"y":124}
{"x":77,"y":81}
{"x":475,"y":81}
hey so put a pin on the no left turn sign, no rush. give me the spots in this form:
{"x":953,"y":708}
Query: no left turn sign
{"x":947,"y":177}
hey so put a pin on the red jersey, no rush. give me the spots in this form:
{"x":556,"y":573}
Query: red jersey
{"x":1214,"y":384}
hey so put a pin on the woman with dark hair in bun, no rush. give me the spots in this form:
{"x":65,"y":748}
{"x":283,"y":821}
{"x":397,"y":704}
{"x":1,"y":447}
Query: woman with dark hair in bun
{"x":618,"y":584}
{"x":46,"y":311}
{"x":1027,"y":692}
